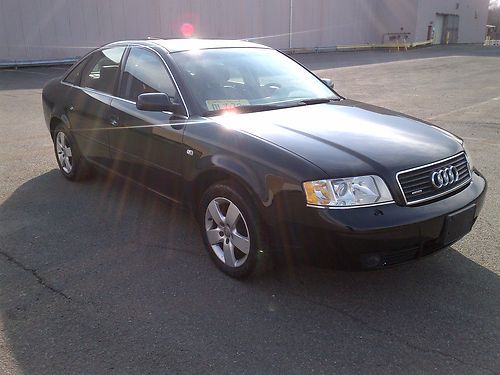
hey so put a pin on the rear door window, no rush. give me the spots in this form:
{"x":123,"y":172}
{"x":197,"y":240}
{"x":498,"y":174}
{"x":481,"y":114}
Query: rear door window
{"x":101,"y":71}
{"x":145,"y":72}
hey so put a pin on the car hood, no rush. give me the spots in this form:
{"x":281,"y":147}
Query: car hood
{"x":349,"y":138}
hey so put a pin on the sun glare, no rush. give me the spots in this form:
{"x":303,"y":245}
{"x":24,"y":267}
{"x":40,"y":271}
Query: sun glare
{"x":187,"y":30}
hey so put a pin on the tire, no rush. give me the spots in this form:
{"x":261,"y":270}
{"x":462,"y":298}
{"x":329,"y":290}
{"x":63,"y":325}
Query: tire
{"x":233,"y":244}
{"x":69,"y":159}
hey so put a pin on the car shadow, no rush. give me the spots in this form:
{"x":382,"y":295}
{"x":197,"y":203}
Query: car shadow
{"x":103,"y":276}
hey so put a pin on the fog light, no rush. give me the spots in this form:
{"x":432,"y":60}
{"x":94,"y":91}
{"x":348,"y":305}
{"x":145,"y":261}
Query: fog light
{"x":370,"y":261}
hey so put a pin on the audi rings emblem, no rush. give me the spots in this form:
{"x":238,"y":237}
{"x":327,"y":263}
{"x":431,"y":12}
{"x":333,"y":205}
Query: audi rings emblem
{"x":445,"y":177}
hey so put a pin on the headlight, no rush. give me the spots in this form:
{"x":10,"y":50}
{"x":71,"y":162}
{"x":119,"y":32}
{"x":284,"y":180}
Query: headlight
{"x":468,"y":155}
{"x":345,"y":192}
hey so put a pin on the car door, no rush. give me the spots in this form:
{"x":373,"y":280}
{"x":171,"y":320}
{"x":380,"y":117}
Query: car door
{"x":146,"y":145}
{"x":88,"y":104}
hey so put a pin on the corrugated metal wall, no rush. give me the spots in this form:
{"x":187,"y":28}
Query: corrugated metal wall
{"x":56,"y":29}
{"x":51,"y":29}
{"x":350,"y":22}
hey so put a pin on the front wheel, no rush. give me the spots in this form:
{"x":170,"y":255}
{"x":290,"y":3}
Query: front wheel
{"x":229,"y":230}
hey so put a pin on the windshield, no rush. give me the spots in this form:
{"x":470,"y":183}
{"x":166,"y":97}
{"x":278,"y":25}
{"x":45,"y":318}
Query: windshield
{"x":252,"y":79}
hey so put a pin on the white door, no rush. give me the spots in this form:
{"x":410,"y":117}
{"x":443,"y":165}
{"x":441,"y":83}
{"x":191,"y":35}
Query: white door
{"x":438,"y":29}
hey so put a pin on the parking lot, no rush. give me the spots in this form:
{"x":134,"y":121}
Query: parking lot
{"x":102,"y":276}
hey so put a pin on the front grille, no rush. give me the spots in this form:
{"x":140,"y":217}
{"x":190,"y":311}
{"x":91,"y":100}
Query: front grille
{"x":416,"y":184}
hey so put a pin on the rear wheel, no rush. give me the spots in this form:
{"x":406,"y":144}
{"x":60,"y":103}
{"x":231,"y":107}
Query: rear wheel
{"x":229,"y":229}
{"x":71,"y":163}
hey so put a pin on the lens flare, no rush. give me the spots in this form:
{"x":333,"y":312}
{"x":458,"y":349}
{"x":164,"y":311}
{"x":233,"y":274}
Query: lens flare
{"x":187,"y":30}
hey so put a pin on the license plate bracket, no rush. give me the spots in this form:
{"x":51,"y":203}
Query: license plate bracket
{"x":458,"y":224}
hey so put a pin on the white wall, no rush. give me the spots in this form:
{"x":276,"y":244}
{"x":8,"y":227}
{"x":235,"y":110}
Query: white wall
{"x":52,"y":29}
{"x":55,"y":29}
{"x":332,"y":23}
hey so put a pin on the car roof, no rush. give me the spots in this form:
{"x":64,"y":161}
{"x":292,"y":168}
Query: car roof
{"x":179,"y":45}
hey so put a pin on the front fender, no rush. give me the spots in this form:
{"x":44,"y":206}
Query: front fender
{"x":276,"y":196}
{"x":238,"y":169}
{"x":271,"y":174}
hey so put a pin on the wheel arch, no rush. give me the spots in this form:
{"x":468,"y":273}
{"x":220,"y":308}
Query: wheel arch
{"x":220,"y":174}
{"x":238,"y":181}
{"x":55,"y":121}
{"x":263,"y":185}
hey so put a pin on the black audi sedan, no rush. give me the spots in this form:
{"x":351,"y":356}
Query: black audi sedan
{"x":266,"y":154}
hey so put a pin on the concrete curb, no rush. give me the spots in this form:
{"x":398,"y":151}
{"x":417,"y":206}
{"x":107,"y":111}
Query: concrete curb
{"x":291,"y":51}
{"x":358,"y":47}
{"x":32,"y":63}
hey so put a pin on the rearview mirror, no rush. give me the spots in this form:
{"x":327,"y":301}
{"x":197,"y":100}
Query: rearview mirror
{"x":328,"y":82}
{"x":155,"y":101}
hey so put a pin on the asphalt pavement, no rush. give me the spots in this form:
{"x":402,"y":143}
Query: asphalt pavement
{"x":104,"y":277}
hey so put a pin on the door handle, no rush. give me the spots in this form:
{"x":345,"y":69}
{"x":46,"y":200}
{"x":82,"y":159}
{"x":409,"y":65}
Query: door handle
{"x":113,"y":120}
{"x":71,"y":108}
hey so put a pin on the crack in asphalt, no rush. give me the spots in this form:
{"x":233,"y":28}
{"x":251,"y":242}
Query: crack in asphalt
{"x":387,"y":333}
{"x":462,"y":109}
{"x":481,"y":123}
{"x":343,"y":312}
{"x":34,"y":272}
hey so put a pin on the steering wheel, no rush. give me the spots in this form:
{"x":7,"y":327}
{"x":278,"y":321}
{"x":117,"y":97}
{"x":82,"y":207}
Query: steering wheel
{"x":271,"y":89}
{"x":272,"y":86}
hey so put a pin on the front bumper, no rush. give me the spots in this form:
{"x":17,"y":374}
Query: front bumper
{"x":380,"y":236}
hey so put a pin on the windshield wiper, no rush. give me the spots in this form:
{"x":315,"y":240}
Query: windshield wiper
{"x":244,"y":109}
{"x":318,"y":100}
{"x":268,"y":107}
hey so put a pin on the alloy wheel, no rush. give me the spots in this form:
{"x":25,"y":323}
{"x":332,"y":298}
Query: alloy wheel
{"x":227,"y":232}
{"x":64,"y":153}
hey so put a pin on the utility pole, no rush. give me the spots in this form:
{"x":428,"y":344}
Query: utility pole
{"x":291,"y":25}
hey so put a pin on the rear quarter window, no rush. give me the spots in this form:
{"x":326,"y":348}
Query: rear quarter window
{"x":74,"y":77}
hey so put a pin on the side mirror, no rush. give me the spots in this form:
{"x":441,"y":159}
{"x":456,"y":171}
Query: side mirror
{"x":328,"y":82}
{"x":155,"y":101}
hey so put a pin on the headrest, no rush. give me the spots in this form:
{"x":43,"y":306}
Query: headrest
{"x":108,"y":72}
{"x":215,"y":73}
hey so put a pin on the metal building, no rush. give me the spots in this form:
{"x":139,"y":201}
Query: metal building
{"x":41,"y":30}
